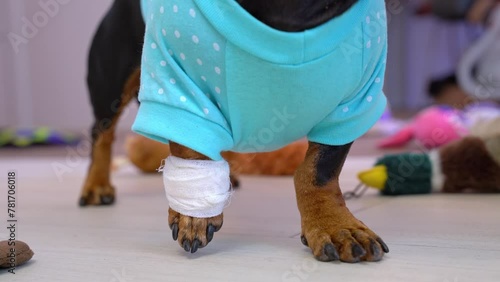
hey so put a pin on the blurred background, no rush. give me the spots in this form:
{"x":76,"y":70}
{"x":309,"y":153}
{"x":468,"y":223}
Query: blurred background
{"x":44,"y":100}
{"x":42,"y":83}
{"x":42,"y":78}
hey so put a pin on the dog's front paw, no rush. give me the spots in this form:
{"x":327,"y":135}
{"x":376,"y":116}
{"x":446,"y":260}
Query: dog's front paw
{"x":347,"y":240}
{"x":193,"y":233}
{"x":97,"y":195}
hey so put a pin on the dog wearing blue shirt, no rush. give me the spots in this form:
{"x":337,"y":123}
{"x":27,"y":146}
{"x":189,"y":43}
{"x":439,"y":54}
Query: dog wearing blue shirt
{"x":205,"y":68}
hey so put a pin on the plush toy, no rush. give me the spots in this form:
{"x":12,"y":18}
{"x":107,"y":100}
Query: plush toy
{"x":147,"y":155}
{"x":14,"y":253}
{"x":439,"y":125}
{"x":446,"y":91}
{"x":432,"y":128}
{"x":470,"y":164}
{"x":37,"y":136}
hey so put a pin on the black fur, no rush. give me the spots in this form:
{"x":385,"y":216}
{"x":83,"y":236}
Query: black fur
{"x":114,"y":54}
{"x":295,"y":15}
{"x":329,"y":163}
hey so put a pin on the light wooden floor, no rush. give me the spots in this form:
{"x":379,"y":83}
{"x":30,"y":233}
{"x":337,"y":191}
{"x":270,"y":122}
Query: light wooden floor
{"x":437,"y":238}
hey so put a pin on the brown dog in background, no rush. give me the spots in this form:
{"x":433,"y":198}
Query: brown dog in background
{"x":328,"y":227}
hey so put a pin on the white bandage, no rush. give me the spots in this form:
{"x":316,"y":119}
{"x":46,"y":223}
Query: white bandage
{"x":195,"y":188}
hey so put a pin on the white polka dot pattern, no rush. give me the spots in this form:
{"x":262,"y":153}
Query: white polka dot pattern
{"x":185,"y":55}
{"x":192,"y":13}
{"x":184,"y":66}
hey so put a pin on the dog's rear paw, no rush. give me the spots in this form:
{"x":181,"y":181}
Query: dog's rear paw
{"x":193,"y":233}
{"x":351,"y":242}
{"x":99,"y":195}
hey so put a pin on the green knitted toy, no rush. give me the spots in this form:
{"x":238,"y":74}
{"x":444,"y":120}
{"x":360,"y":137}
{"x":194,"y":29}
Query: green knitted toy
{"x":401,"y":174}
{"x":470,"y":164}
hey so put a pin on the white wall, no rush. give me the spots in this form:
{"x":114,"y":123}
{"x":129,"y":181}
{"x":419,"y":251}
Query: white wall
{"x":47,"y":82}
{"x":6,"y":115}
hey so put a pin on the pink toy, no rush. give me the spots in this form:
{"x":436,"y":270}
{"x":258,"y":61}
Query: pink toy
{"x":431,"y":128}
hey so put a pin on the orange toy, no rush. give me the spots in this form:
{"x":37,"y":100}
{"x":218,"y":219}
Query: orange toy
{"x":147,"y":155}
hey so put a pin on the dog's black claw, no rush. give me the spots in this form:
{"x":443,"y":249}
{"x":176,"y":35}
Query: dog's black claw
{"x":331,"y":252}
{"x":304,"y":240}
{"x":186,"y":245}
{"x":384,"y":246}
{"x":218,"y":228}
{"x":358,"y":251}
{"x":107,"y":200}
{"x":235,"y":183}
{"x":82,"y":202}
{"x":210,"y":232}
{"x":175,"y":231}
{"x":374,"y":249}
{"x":196,"y":245}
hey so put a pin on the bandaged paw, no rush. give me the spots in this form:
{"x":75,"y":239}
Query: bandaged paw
{"x":196,"y":188}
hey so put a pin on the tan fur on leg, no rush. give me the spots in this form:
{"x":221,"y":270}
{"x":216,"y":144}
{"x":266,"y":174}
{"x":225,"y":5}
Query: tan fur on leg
{"x":328,"y":227}
{"x":97,"y":189}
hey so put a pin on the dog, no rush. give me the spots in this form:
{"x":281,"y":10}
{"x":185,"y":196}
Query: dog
{"x":122,"y":57}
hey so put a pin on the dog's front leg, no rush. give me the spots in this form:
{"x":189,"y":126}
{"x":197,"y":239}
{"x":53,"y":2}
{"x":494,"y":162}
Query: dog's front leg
{"x":328,"y":227}
{"x":191,"y":232}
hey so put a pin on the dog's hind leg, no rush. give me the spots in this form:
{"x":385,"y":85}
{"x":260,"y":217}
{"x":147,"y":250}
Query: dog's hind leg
{"x":113,"y":80}
{"x":328,"y":227}
{"x":97,"y":189}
